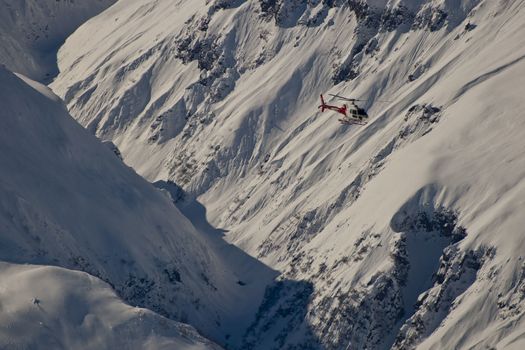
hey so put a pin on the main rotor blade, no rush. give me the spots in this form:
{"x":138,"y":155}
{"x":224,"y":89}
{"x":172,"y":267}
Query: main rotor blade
{"x":344,"y":98}
{"x":357,"y":99}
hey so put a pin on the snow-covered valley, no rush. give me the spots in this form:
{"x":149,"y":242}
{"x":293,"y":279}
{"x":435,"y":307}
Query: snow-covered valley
{"x":273,"y":226}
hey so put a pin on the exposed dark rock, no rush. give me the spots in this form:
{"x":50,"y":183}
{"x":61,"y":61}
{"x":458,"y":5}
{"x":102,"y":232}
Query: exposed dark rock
{"x":430,"y":18}
{"x":470,"y":26}
{"x":442,"y":220}
{"x":281,"y":314}
{"x":456,"y":273}
{"x":173,"y":275}
{"x":512,"y":304}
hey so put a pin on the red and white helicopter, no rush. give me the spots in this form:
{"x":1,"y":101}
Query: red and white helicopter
{"x":352,"y":114}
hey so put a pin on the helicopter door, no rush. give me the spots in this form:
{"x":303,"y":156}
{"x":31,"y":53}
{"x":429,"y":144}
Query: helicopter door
{"x":362,"y":113}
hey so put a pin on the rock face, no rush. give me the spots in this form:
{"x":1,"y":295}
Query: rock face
{"x":175,"y":78}
{"x":457,"y":272}
{"x":367,"y":316}
{"x":402,"y":233}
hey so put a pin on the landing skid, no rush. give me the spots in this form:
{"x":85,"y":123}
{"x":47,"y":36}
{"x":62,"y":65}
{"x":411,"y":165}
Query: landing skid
{"x":352,"y":122}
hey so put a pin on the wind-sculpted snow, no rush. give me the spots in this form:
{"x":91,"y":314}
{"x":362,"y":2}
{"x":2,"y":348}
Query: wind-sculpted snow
{"x":47,"y":307}
{"x":369,"y":315}
{"x":33,"y":30}
{"x":68,"y":200}
{"x":405,"y":232}
{"x":179,"y":78}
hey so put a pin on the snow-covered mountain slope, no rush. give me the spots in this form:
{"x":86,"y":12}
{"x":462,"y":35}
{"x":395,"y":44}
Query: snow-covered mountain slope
{"x":47,"y":307}
{"x":67,"y":200}
{"x":404,"y":233}
{"x":31,"y":31}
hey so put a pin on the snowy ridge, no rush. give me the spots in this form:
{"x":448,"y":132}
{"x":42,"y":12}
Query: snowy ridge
{"x":403,"y":233}
{"x":33,"y":30}
{"x":49,"y":307}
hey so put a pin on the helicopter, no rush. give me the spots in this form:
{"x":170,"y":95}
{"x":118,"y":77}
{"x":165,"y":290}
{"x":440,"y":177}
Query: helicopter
{"x":352,"y":114}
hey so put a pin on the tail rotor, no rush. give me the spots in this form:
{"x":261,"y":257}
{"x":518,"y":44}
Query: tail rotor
{"x":323,"y":105}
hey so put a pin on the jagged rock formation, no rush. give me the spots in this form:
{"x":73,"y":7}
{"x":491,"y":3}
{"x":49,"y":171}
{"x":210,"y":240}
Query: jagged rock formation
{"x":220,"y":99}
